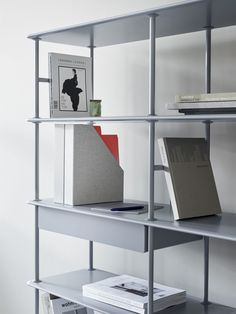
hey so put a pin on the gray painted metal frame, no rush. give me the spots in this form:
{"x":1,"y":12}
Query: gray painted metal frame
{"x":101,"y":33}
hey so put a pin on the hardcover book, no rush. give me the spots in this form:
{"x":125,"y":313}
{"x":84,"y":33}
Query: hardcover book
{"x":70,"y":85}
{"x":131,"y":293}
{"x":190,"y":180}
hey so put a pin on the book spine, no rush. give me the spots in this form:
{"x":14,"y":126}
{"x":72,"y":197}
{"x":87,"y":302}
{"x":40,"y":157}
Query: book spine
{"x":169,"y":181}
{"x":50,"y":85}
{"x":114,"y":302}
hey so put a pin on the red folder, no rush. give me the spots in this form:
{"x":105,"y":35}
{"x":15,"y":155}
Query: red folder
{"x":98,"y":129}
{"x":111,"y":141}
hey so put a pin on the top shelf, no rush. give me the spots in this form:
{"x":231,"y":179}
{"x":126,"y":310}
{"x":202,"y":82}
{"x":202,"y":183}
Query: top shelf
{"x":183,"y":17}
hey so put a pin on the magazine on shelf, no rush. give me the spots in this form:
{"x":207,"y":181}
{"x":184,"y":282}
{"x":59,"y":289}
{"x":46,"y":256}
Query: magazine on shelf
{"x":131,"y":293}
{"x":201,"y":107}
{"x":55,"y":305}
{"x":70,"y":85}
{"x":210,"y":97}
{"x":190,"y":180}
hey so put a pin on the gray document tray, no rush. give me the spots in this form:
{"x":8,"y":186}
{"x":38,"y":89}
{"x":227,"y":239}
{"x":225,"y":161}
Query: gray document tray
{"x":123,"y":234}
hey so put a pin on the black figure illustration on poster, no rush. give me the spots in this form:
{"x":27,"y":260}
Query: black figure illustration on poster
{"x":70,"y":88}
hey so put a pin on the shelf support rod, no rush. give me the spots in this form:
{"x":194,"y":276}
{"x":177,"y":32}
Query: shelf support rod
{"x":92,"y":70}
{"x":208,"y":139}
{"x":36,"y":277}
{"x":152,"y":63}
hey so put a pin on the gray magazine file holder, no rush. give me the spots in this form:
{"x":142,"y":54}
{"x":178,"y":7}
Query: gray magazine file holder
{"x":86,"y":172}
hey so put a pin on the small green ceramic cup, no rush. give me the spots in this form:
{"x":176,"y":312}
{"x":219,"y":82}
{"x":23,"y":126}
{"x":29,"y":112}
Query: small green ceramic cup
{"x":95,"y":107}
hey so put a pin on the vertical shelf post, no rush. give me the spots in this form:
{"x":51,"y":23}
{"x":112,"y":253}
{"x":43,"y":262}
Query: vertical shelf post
{"x":91,"y":47}
{"x":36,"y":276}
{"x":208,"y":139}
{"x":152,"y":56}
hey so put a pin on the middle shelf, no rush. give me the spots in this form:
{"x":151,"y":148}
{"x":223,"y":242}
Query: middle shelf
{"x":148,"y":118}
{"x":56,"y":217}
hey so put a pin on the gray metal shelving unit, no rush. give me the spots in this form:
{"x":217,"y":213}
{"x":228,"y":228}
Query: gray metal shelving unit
{"x":155,"y":229}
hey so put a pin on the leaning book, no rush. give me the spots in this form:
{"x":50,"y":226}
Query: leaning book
{"x":131,"y":293}
{"x":189,"y":177}
{"x":70,"y":85}
{"x":54,"y":305}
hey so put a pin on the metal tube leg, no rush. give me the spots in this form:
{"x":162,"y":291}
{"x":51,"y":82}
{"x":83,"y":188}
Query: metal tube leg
{"x":152,"y":52}
{"x":208,"y":139}
{"x":150,"y":269}
{"x":206,"y":270}
{"x":91,"y":255}
{"x":36,"y":235}
{"x":36,"y":296}
{"x":208,"y":60}
{"x":36,"y":245}
{"x":92,"y":66}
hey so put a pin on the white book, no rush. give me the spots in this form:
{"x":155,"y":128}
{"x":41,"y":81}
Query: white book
{"x":55,"y":305}
{"x":70,"y":85}
{"x":132,"y":291}
{"x":206,"y":97}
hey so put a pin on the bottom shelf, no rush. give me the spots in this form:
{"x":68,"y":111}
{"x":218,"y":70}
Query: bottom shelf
{"x":69,"y":286}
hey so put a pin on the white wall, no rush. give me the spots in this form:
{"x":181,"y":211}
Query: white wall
{"x":122,"y":83}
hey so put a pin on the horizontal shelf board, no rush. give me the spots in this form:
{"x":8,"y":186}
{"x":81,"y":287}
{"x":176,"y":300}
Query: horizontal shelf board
{"x":217,"y":226}
{"x":173,"y":19}
{"x":149,"y":118}
{"x":69,"y":286}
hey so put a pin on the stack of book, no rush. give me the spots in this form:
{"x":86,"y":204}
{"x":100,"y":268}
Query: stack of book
{"x":205,"y":103}
{"x":131,"y":293}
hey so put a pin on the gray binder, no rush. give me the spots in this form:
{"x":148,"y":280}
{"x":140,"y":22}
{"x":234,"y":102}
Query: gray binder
{"x":86,"y":172}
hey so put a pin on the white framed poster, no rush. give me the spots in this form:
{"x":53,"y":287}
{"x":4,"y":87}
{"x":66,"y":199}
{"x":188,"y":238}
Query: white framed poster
{"x":70,"y":85}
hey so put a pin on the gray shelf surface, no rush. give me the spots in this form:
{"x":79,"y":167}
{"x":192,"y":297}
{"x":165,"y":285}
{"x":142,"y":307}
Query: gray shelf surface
{"x":217,"y":226}
{"x":149,"y":118}
{"x":69,"y":286}
{"x":183,"y":17}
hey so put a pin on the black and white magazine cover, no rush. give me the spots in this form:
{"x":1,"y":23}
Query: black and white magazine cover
{"x":54,"y":305}
{"x":70,"y":85}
